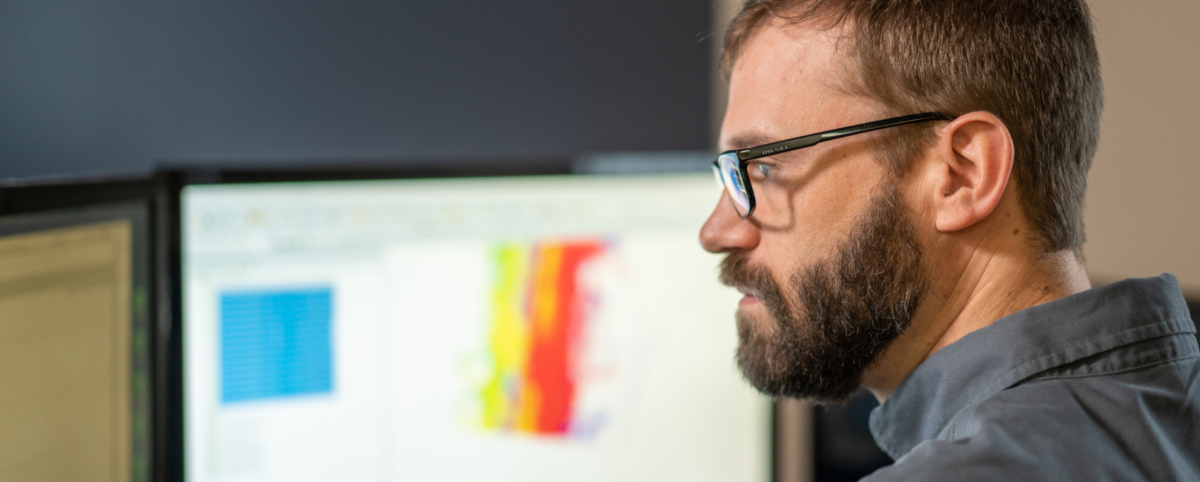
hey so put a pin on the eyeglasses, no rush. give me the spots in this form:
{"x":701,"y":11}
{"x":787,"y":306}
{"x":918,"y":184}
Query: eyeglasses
{"x":730,"y":166}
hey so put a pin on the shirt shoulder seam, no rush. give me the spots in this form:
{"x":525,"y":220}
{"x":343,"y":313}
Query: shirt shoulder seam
{"x":1014,"y":375}
{"x":1114,"y":371}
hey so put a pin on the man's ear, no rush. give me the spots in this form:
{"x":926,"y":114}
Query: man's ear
{"x":972,"y":162}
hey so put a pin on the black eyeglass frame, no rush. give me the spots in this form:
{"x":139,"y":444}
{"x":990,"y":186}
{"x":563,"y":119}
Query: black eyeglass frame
{"x":744,"y":156}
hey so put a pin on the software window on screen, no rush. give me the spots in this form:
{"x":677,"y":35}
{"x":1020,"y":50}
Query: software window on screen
{"x":535,"y":328}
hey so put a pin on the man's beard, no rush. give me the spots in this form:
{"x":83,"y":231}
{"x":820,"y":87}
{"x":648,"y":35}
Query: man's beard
{"x":837,"y":315}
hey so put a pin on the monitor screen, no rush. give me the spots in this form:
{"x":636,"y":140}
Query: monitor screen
{"x":74,"y":359}
{"x":538,"y":328}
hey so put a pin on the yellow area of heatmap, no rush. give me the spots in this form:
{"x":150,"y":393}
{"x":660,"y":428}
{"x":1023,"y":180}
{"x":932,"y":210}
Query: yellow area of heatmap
{"x":509,"y":338}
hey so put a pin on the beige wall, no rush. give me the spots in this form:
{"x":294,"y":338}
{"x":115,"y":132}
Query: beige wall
{"x":1143,"y":205}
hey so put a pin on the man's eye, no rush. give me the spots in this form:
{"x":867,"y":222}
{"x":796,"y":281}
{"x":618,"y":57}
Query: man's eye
{"x":765,"y":169}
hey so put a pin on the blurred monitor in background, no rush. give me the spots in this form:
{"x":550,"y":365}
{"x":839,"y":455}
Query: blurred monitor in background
{"x":74,"y":356}
{"x":496,"y":328}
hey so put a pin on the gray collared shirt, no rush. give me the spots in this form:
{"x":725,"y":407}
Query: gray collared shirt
{"x":1101,"y":385}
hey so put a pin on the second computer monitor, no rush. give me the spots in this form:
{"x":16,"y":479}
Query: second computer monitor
{"x":75,"y":374}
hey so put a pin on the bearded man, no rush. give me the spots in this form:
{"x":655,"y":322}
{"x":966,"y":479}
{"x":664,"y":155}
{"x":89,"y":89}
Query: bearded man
{"x":904,"y":186}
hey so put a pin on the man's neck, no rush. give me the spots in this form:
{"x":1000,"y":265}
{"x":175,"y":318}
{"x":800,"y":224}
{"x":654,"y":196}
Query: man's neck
{"x":990,"y":286}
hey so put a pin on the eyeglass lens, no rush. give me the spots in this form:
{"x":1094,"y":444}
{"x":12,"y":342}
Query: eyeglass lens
{"x":731,"y":178}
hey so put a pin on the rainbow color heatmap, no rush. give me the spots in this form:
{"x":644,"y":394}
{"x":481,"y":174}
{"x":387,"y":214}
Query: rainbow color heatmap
{"x":539,"y":308}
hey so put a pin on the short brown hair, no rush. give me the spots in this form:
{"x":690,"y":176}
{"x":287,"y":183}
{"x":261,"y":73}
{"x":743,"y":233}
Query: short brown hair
{"x":1032,"y":63}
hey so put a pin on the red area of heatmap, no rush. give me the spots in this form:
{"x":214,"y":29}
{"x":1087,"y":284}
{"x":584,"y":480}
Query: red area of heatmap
{"x":558,"y":309}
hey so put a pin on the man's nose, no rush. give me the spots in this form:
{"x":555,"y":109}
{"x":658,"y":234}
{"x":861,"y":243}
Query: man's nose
{"x":726,"y":231}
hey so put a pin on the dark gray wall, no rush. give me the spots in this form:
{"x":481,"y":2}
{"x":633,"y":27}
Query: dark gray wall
{"x":90,"y":85}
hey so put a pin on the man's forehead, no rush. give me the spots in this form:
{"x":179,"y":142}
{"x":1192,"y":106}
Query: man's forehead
{"x":804,"y":48}
{"x":784,"y":77}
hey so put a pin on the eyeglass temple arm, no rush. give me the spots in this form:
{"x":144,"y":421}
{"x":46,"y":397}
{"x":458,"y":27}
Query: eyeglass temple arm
{"x":814,"y":139}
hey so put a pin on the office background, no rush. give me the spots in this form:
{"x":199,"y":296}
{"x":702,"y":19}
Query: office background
{"x":119,"y":86}
{"x":103,"y":87}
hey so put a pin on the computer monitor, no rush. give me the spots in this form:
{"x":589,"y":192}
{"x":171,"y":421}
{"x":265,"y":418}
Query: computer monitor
{"x":75,"y":374}
{"x":542,"y":327}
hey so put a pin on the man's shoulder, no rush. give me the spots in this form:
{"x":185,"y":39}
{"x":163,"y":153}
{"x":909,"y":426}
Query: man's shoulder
{"x":1140,"y":424}
{"x":1007,"y":441}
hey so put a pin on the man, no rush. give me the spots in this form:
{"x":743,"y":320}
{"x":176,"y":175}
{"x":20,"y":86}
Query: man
{"x":935,"y":257}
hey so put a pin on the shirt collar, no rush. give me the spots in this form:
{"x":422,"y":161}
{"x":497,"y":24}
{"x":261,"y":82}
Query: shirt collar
{"x":1020,"y":345}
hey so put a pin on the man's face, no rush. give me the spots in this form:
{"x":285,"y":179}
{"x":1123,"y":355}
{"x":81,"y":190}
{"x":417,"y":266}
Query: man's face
{"x":829,"y":262}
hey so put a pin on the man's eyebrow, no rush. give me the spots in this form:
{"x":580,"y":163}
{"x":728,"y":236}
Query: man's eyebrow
{"x":748,"y":140}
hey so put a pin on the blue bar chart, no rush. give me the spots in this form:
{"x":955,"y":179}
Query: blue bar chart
{"x":276,"y":343}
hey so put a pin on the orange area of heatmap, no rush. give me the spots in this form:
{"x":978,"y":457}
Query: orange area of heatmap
{"x":538,"y":311}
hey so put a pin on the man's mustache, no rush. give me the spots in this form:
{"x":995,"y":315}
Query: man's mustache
{"x":737,"y":272}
